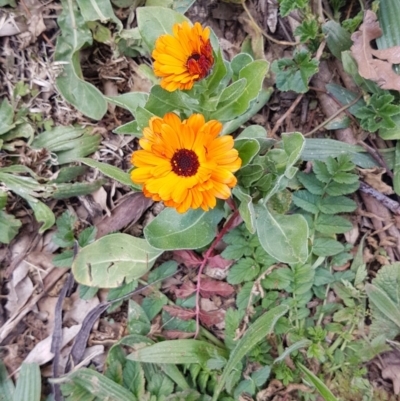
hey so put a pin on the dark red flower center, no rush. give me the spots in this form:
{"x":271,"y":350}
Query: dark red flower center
{"x":185,"y":163}
{"x":201,"y":64}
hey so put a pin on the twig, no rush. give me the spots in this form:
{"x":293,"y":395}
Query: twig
{"x":334,"y":115}
{"x":207,"y":255}
{"x":272,"y":39}
{"x":378,"y":157}
{"x":390,"y":204}
{"x":284,"y":116}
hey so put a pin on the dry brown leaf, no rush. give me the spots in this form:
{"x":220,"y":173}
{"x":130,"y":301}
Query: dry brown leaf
{"x":373,"y":177}
{"x":375,"y":65}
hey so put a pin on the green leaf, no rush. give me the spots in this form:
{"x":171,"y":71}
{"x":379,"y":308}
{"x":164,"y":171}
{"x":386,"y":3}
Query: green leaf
{"x":74,"y":36}
{"x":293,"y":74}
{"x":387,"y":12}
{"x":161,"y":101}
{"x":64,"y":191}
{"x":319,"y":385}
{"x":337,"y":38}
{"x":320,"y":149}
{"x":6,"y":117}
{"x":231,"y":92}
{"x":283,"y":237}
{"x":304,"y":343}
{"x":385,"y":302}
{"x":321,"y":171}
{"x":246,"y":269}
{"x":262,"y":99}
{"x":286,"y":6}
{"x":3,"y":199}
{"x":156,"y":21}
{"x":112,"y":260}
{"x":138,"y":322}
{"x":246,"y":209}
{"x":254,"y":73}
{"x":6,"y":385}
{"x":9,"y":227}
{"x":43,"y":214}
{"x":93,"y":10}
{"x":260,"y":134}
{"x":326,"y":247}
{"x":110,"y":171}
{"x":257,"y":331}
{"x":307,"y":30}
{"x":133,"y":378}
{"x":336,"y":204}
{"x":129,"y":101}
{"x":69,"y":143}
{"x":250,"y":174}
{"x":247,"y":148}
{"x":396,"y":169}
{"x":328,"y":224}
{"x":336,"y":189}
{"x":177,"y":352}
{"x":311,"y":183}
{"x":172,"y":230}
{"x":279,"y":279}
{"x":29,"y":383}
{"x":100,"y":385}
{"x":306,"y":201}
{"x":220,"y":71}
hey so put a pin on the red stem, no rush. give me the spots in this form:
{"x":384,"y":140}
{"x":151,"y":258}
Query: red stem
{"x":207,"y":255}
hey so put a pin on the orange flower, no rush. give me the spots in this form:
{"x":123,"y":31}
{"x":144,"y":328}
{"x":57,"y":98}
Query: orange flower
{"x":185,"y":163}
{"x":183,"y":58}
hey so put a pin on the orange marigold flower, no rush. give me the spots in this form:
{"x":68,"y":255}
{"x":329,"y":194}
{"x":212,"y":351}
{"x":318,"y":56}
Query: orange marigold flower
{"x":183,"y":58}
{"x":185,"y":163}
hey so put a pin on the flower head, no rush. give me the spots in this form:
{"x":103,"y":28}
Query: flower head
{"x":185,"y":163}
{"x":183,"y":58}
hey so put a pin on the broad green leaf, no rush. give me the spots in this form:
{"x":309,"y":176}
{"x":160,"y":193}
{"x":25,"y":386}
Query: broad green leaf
{"x":156,"y":21}
{"x":328,"y":224}
{"x":181,"y":6}
{"x":318,"y":383}
{"x":396,"y":169}
{"x":3,"y":198}
{"x":172,"y":230}
{"x":260,"y":134}
{"x":336,"y":204}
{"x":306,"y":201}
{"x":293,"y":144}
{"x":345,"y":97}
{"x":177,"y":352}
{"x":7,"y":388}
{"x":138,"y":322}
{"x":311,"y":183}
{"x":113,"y":260}
{"x":326,"y":247}
{"x":337,"y":38}
{"x":110,"y":171}
{"x":9,"y":227}
{"x":257,"y":331}
{"x":239,"y":62}
{"x":129,"y":101}
{"x":221,"y":70}
{"x":100,"y":386}
{"x":74,"y":36}
{"x":130,"y":128}
{"x":6,"y":117}
{"x":262,"y":99}
{"x":250,"y":174}
{"x":245,"y":269}
{"x":64,"y":191}
{"x":336,"y":189}
{"x":254,"y":73}
{"x":285,"y":237}
{"x":143,"y":117}
{"x":383,"y":302}
{"x":320,"y":149}
{"x":161,"y":101}
{"x":246,"y":209}
{"x":232,"y":91}
{"x":247,"y":148}
{"x":43,"y":214}
{"x":307,"y":30}
{"x":68,"y":143}
{"x":101,"y":10}
{"x":387,"y":12}
{"x":69,"y":173}
{"x":29,"y":383}
{"x":293,"y":74}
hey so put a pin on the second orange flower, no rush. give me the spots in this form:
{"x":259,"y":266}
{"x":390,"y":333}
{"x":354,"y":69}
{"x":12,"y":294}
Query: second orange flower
{"x":183,"y":58}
